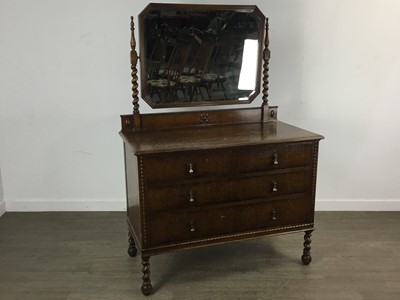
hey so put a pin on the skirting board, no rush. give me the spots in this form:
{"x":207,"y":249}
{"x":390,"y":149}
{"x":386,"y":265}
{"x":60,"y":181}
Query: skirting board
{"x":120,"y":205}
{"x":358,"y":205}
{"x":38,"y":205}
{"x":2,"y":208}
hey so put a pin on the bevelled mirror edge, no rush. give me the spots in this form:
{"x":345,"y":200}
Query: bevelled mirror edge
{"x":193,"y":91}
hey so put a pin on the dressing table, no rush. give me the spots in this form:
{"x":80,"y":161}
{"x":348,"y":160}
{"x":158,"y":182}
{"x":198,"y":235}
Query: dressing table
{"x":201,"y":176}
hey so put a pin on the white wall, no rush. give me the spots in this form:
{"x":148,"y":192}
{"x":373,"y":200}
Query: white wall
{"x":2,"y":202}
{"x":65,"y":79}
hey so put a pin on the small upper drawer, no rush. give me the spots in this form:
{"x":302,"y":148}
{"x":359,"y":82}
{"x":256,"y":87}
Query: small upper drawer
{"x":200,"y":164}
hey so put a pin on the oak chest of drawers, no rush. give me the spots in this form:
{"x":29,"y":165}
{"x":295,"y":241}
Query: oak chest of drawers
{"x":201,"y":177}
{"x":198,"y":186}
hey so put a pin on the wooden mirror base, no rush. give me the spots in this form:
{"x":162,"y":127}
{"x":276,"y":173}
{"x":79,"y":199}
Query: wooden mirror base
{"x":155,"y":121}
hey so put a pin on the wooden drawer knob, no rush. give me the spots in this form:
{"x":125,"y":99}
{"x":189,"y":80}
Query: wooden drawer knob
{"x":273,"y":215}
{"x":274,"y":186}
{"x":275,"y":159}
{"x":191,"y":198}
{"x":191,"y":169}
{"x":192,"y":227}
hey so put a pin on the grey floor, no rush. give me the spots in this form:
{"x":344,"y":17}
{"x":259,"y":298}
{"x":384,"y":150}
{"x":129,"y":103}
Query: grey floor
{"x":55,"y":256}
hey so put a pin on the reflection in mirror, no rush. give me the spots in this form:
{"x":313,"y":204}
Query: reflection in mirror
{"x":194,"y":56}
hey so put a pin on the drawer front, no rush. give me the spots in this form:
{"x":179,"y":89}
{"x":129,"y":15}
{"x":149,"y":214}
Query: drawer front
{"x":200,"y":164}
{"x":196,"y":194}
{"x":174,"y":228}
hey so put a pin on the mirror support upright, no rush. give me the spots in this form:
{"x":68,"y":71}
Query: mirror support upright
{"x":135,"y":92}
{"x":266,"y":56}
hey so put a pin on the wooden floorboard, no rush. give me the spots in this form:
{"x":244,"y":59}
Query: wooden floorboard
{"x":82,"y":255}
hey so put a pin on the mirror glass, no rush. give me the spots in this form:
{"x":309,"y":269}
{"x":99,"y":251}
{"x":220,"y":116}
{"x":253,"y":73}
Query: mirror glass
{"x":200,"y":54}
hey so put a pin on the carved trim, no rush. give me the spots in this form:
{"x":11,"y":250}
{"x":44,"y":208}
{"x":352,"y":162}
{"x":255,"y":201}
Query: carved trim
{"x":273,"y":112}
{"x":234,"y":235}
{"x":142,"y":200}
{"x":203,"y":118}
{"x":314,"y":176}
{"x":127,"y":123}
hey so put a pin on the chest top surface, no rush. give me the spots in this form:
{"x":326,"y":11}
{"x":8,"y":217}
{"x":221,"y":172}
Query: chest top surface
{"x":214,"y":137}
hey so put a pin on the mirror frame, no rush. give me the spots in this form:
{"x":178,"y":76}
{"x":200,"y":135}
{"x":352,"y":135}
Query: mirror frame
{"x":145,"y":94}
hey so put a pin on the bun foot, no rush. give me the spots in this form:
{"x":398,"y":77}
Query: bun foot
{"x":132,"y":251}
{"x":147,"y":289}
{"x":306,"y":257}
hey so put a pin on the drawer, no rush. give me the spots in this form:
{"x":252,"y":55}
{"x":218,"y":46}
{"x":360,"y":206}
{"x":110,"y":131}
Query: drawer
{"x":172,"y":197}
{"x":164,"y":229}
{"x":199,"y":164}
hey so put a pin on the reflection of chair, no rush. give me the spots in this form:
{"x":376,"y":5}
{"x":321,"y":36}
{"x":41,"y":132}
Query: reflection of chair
{"x":156,"y":59}
{"x":191,"y":79}
{"x":166,"y":86}
{"x":222,"y":60}
{"x":217,"y":67}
